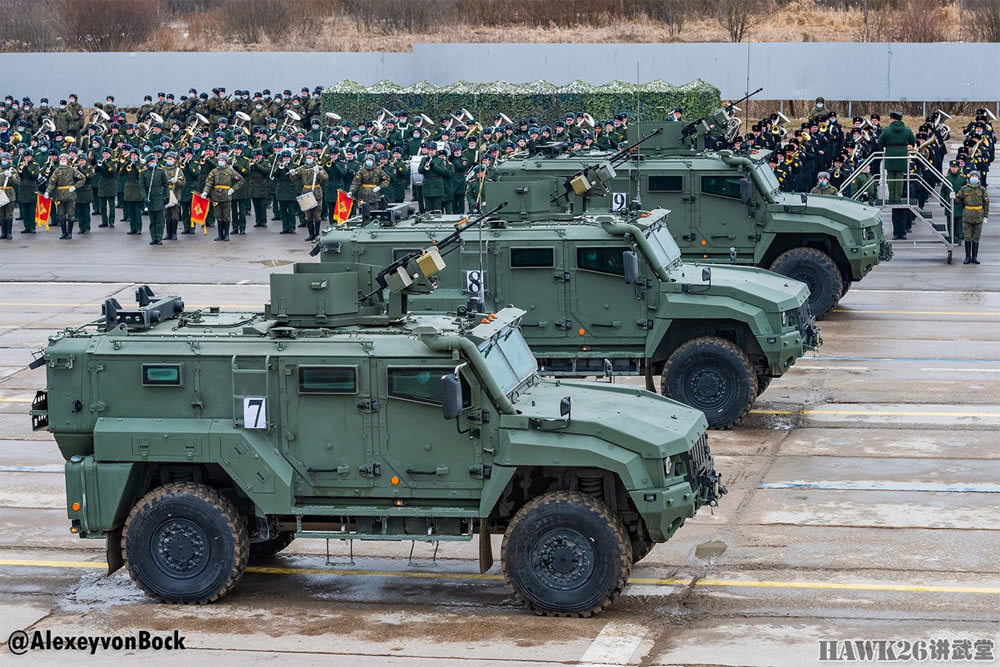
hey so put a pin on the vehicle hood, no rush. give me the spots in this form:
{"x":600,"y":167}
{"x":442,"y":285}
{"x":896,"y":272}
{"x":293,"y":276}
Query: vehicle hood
{"x":771,"y":292}
{"x":651,"y":425}
{"x":840,"y":209}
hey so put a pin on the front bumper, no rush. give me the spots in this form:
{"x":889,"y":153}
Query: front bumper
{"x":664,"y":510}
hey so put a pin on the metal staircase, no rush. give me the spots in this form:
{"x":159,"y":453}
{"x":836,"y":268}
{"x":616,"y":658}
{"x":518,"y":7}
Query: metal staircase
{"x":941,"y":230}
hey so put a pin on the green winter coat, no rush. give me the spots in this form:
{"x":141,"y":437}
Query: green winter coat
{"x":956,"y":181}
{"x":894,"y":140}
{"x":435,"y":171}
{"x":155,"y":187}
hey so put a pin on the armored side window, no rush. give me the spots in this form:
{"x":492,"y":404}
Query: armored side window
{"x":532,"y":258}
{"x":723,"y":186}
{"x":161,"y":375}
{"x":664,"y":183}
{"x":602,"y":259}
{"x":328,"y":380}
{"x":423,"y":385}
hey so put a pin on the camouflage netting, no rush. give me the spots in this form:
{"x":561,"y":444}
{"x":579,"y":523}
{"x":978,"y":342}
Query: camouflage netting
{"x":542,"y":99}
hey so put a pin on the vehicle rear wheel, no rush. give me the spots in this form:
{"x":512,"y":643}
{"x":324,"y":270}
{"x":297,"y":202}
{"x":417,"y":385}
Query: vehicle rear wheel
{"x":817,"y":270}
{"x":566,"y":554}
{"x":185,"y":543}
{"x":262,"y":551}
{"x":712,"y":375}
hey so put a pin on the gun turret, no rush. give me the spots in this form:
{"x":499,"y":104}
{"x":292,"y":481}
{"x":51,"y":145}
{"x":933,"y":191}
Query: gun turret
{"x":402,"y":279}
{"x":596,"y":176}
{"x":719,"y":119}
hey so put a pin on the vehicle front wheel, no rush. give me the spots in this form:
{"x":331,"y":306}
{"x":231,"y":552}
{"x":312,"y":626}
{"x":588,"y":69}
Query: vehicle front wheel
{"x":820,"y":274}
{"x":712,"y":375}
{"x":566,"y":554}
{"x":185,"y":543}
{"x":763,"y":381}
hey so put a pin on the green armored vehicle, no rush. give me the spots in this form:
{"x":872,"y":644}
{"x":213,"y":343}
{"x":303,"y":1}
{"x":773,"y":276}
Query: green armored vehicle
{"x":725,"y":207}
{"x":196,"y":441}
{"x":606,"y":293}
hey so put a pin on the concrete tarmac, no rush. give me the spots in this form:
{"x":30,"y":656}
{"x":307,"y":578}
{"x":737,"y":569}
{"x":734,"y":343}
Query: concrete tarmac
{"x":864,"y":496}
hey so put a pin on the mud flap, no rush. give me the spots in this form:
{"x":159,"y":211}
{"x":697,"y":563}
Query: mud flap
{"x":485,"y":548}
{"x":113,"y":548}
{"x":649,"y":376}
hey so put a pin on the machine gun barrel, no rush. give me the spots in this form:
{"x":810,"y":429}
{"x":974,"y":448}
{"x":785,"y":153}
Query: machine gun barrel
{"x":460,"y":227}
{"x":614,"y":160}
{"x":690,"y":128}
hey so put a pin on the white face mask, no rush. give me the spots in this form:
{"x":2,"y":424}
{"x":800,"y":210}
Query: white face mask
{"x":63,"y":163}
{"x":222,"y":162}
{"x":309,"y":160}
{"x":170,"y":163}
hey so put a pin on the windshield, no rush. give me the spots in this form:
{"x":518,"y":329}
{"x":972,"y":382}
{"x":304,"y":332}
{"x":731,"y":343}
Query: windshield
{"x":664,"y":247}
{"x":768,"y":177}
{"x":509,"y":359}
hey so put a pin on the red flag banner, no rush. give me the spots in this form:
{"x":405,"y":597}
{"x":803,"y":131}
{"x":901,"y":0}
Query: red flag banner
{"x":43,"y":210}
{"x":342,"y":210}
{"x":199,"y":211}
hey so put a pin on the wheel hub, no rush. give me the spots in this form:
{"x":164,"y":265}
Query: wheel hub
{"x":181,"y":547}
{"x":563,"y":559}
{"x":707,"y":386}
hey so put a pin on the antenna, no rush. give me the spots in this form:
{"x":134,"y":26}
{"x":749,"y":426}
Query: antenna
{"x":746,"y":112}
{"x":634,"y":176}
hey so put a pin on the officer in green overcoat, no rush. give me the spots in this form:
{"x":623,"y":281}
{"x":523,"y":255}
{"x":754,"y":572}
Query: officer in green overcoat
{"x":285,"y":191}
{"x":956,"y":179}
{"x":895,"y":140}
{"x":156,"y":190}
{"x":132,"y":193}
{"x":84,"y":193}
{"x":107,"y":186}
{"x":436,"y":170}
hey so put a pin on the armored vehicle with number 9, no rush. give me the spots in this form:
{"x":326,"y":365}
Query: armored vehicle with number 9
{"x":725,"y":207}
{"x":196,"y":441}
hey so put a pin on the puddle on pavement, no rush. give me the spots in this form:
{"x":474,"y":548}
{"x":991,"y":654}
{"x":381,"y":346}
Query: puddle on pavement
{"x":712,"y":549}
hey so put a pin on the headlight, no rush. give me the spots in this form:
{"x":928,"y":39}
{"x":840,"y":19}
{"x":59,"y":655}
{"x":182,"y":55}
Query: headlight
{"x":790,"y":318}
{"x":868,"y":233}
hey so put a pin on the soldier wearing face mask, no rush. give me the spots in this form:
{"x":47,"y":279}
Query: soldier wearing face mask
{"x":369,"y":181}
{"x":61,"y":189}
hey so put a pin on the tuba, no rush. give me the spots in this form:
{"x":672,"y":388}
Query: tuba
{"x":47,"y":126}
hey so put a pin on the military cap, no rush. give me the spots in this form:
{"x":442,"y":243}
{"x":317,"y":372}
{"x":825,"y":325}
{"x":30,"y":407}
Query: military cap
{"x":203,"y":96}
{"x":4,"y":156}
{"x":954,"y":163}
{"x":509,"y":144}
{"x":349,"y":149}
{"x":22,"y":123}
{"x":72,"y":149}
{"x":147,"y":98}
{"x":849,"y":144}
{"x":133,"y":150}
{"x":170,"y":96}
{"x":493,"y":147}
{"x":28,"y":151}
{"x":534,"y":130}
{"x":974,"y":173}
{"x":317,"y":145}
{"x":286,"y":92}
{"x":472,"y":140}
{"x":107,"y":149}
{"x":619,"y":116}
{"x":158,"y":125}
{"x":150,"y":159}
{"x":896,"y":115}
{"x":4,"y":123}
{"x":44,"y":100}
{"x":43,"y":147}
{"x":442,"y":151}
{"x":369,"y":141}
{"x":456,"y":147}
{"x":257,"y":151}
{"x":677,"y":109}
{"x":116,"y":126}
{"x":397,"y":149}
{"x":824,"y":174}
{"x":196,"y":140}
{"x":875,"y":116}
{"x":62,"y":102}
{"x":188,"y":150}
{"x":755,"y":128}
{"x":210,"y":147}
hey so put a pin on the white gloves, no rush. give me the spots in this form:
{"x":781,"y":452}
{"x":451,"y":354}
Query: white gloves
{"x":72,"y":188}
{"x":316,"y":169}
{"x":377,"y":188}
{"x":985,"y":220}
{"x":952,"y":194}
{"x":230,"y":192}
{"x":205,"y":194}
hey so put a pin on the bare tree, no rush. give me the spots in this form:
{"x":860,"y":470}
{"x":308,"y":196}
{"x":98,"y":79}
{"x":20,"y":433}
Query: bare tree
{"x":107,"y":25}
{"x":27,"y":26}
{"x":920,"y":21}
{"x":876,"y":19}
{"x":739,"y":17}
{"x":984,"y":25}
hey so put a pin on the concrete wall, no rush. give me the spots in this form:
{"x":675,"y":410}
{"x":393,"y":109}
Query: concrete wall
{"x":839,"y":70}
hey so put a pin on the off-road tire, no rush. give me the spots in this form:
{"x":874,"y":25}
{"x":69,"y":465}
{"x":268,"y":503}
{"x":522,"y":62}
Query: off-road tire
{"x":264,"y":551}
{"x":202,"y":531}
{"x":818,"y":271}
{"x":763,"y":381}
{"x":712,"y":375}
{"x":561,"y":521}
{"x":641,"y":546}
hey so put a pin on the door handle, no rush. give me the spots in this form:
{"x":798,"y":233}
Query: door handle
{"x":731,"y":237}
{"x":440,"y":470}
{"x":687,"y":198}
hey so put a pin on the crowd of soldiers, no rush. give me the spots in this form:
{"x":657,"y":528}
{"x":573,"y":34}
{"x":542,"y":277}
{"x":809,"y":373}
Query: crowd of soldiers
{"x":250,"y":155}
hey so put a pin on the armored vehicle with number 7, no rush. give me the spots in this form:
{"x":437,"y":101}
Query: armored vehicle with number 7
{"x":196,"y":441}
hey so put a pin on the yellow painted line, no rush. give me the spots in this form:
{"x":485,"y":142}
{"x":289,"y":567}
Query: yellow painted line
{"x":916,"y":312}
{"x":460,"y":576}
{"x":16,"y":400}
{"x":877,"y":413}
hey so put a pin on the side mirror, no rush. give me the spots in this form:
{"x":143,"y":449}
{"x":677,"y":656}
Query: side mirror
{"x":630,"y":261}
{"x":565,"y":407}
{"x":706,"y":275}
{"x":609,"y":371}
{"x":805,"y":197}
{"x":746,"y":190}
{"x":451,"y":396}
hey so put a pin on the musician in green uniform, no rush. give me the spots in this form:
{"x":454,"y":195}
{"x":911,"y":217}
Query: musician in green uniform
{"x":84,"y":193}
{"x":132,"y":192}
{"x":976,"y":202}
{"x":220,"y":186}
{"x":8,"y":179}
{"x":175,"y":183}
{"x":61,"y":189}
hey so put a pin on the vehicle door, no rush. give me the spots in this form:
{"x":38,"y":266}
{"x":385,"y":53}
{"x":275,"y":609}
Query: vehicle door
{"x":672,"y":190}
{"x":603,"y":308}
{"x":535,"y":278}
{"x":722,"y":218}
{"x":422,"y":453}
{"x":327,"y":423}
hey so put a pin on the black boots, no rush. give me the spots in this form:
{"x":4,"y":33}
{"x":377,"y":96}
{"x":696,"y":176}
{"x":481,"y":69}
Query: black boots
{"x":968,"y":253}
{"x":67,"y":229}
{"x":5,"y":229}
{"x":313,"y":230}
{"x":223,"y":231}
{"x":975,"y":252}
